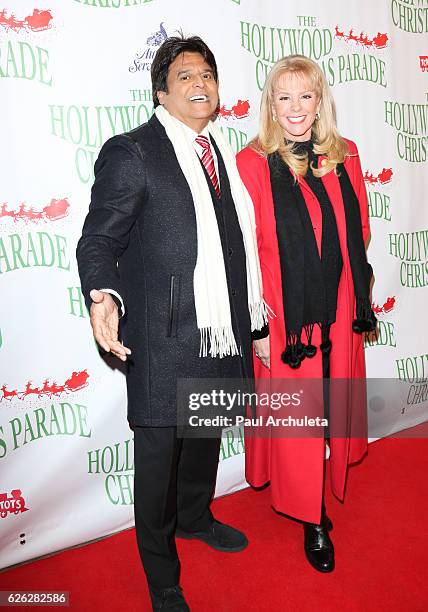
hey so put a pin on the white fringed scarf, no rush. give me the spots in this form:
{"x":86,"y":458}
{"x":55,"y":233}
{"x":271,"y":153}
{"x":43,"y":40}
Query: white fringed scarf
{"x":209,"y":280}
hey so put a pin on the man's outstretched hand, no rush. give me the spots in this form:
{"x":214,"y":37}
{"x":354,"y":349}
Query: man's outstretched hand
{"x":105,"y":324}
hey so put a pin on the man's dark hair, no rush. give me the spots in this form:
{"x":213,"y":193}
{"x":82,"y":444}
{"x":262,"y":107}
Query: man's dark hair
{"x":166,"y":54}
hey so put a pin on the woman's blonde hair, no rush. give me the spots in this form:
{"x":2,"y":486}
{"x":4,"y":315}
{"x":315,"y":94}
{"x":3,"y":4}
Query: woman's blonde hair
{"x":327,"y":140}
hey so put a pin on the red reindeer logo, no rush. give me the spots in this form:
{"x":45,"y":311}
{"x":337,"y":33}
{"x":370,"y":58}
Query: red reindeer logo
{"x":364,"y":40}
{"x":338,"y":33}
{"x":225,"y":112}
{"x":52,"y":389}
{"x":11,"y":22}
{"x":8,"y":394}
{"x":29,"y":390}
{"x":370,"y":178}
{"x":352,"y":36}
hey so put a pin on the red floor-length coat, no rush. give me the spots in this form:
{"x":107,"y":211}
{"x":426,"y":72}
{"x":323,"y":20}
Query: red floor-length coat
{"x":294,"y":466}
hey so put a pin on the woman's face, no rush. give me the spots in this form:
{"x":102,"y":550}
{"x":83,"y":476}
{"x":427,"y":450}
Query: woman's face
{"x":295,"y":105}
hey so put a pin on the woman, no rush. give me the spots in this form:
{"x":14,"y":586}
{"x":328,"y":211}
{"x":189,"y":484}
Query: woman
{"x":310,"y":203}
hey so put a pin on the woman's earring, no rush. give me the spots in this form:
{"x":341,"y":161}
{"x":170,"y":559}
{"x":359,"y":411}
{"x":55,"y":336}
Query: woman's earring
{"x":273,"y":117}
{"x":317,"y":115}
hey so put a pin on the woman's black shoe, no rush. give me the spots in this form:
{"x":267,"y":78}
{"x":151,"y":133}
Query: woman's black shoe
{"x":319,"y":548}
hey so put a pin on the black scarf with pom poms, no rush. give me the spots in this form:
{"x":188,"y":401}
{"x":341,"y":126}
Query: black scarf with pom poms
{"x":310,"y":282}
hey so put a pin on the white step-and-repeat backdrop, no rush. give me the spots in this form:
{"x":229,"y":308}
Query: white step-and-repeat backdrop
{"x":75,"y":72}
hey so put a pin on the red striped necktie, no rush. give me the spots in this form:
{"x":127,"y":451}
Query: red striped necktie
{"x":208,"y":161}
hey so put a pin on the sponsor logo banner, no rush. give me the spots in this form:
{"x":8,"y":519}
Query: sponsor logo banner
{"x":143,"y":59}
{"x":12,"y":504}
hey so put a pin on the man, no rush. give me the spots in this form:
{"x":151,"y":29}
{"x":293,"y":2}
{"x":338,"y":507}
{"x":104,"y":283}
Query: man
{"x":169,"y":244}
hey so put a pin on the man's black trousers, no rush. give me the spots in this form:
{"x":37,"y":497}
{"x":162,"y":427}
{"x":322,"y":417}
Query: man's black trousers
{"x":173,"y":487}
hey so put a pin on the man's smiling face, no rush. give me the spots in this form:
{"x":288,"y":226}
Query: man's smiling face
{"x":192,"y":95}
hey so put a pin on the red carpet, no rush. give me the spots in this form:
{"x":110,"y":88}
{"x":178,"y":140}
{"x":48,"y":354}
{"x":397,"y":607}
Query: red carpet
{"x":380,"y":536}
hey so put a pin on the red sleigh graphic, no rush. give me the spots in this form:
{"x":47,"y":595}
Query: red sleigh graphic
{"x":386,"y":307}
{"x":76,"y":382}
{"x":238,"y":111}
{"x":379,"y":41}
{"x":56,"y":209}
{"x":15,"y":504}
{"x":40,"y":20}
{"x":382,"y":178}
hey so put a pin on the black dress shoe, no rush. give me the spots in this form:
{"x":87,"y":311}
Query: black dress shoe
{"x":220,"y":537}
{"x":170,"y":598}
{"x":319,"y":548}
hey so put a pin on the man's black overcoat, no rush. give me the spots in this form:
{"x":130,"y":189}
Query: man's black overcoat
{"x":139,"y":239}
